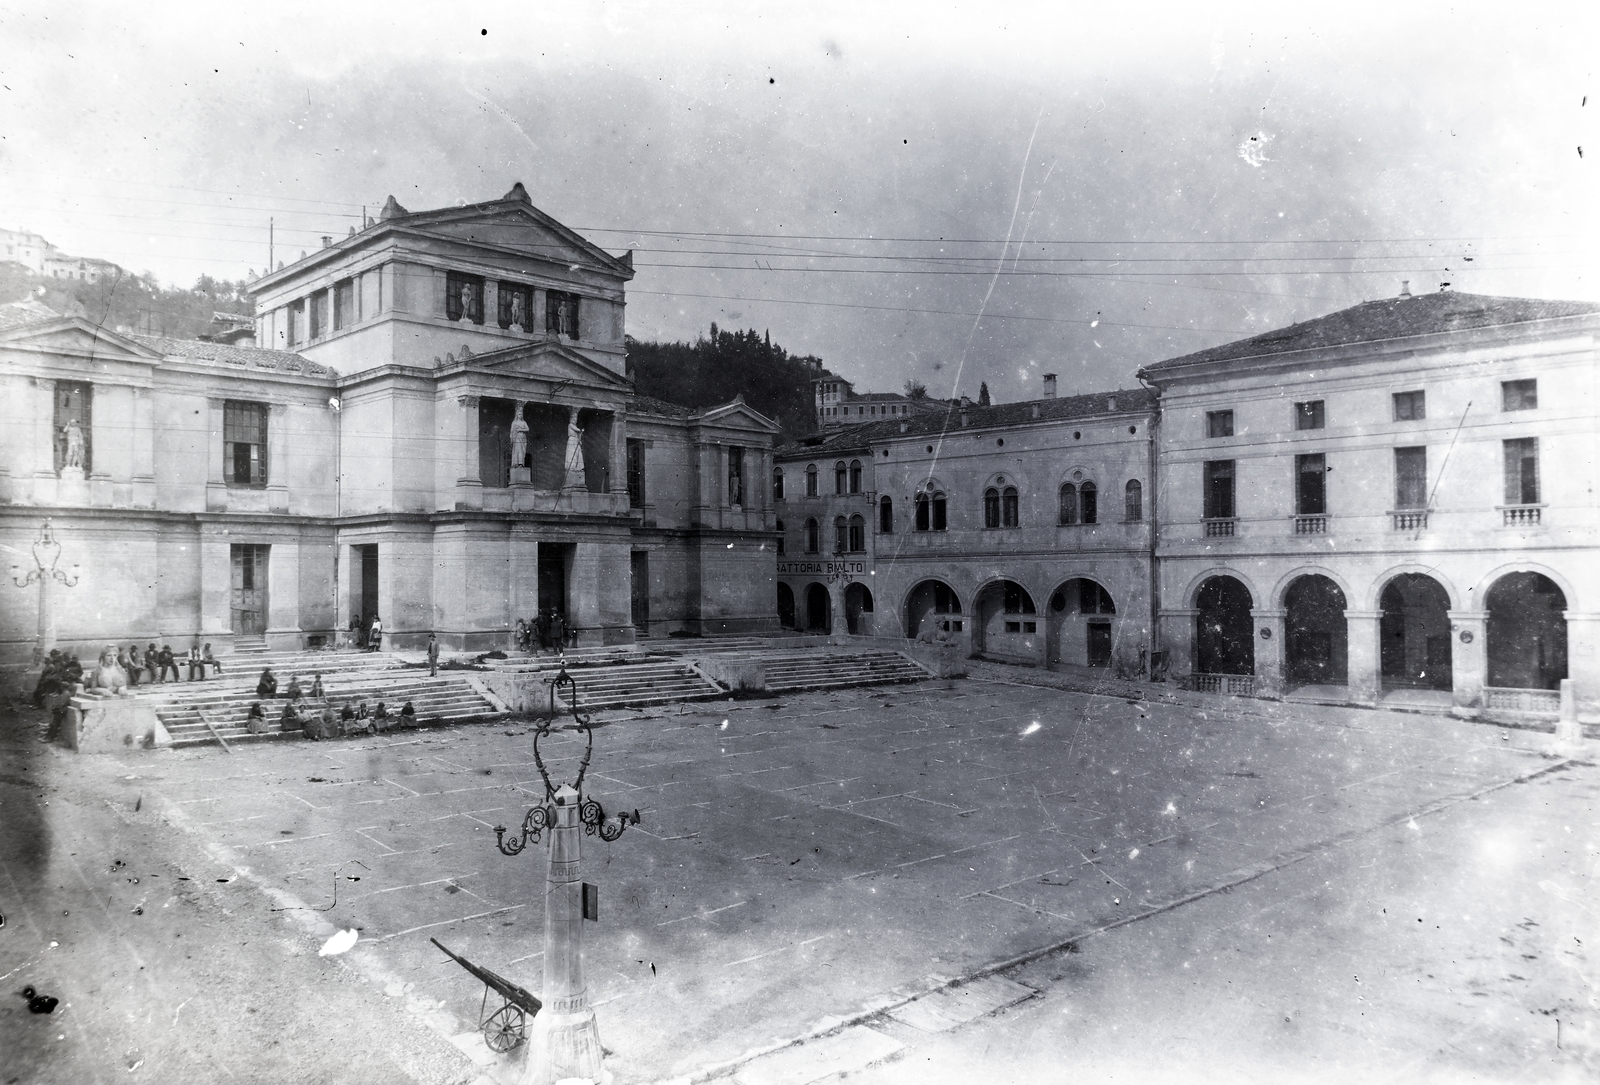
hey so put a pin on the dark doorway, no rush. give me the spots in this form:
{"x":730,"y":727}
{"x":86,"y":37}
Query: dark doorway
{"x":818,"y":618}
{"x":785,"y":606}
{"x":1316,"y":636}
{"x":1527,"y":632}
{"x":1224,"y":643}
{"x":366,"y":578}
{"x":641,"y":590}
{"x":553,"y":559}
{"x":247,"y":602}
{"x":857,"y":601}
{"x":1099,"y":644}
{"x":1414,"y":634}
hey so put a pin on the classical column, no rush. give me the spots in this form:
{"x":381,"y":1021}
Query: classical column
{"x":278,"y":458}
{"x":1269,"y":626}
{"x":469,"y":484}
{"x":44,"y":441}
{"x":1469,"y":661}
{"x":619,"y":454}
{"x":216,"y":459}
{"x":1361,"y":666}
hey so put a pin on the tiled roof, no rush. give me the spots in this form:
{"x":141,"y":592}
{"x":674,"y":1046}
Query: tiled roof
{"x":1128,"y":401}
{"x":196,"y":350}
{"x":1387,"y":318}
{"x":876,"y":397}
{"x":19,"y":314}
{"x":658,"y":407}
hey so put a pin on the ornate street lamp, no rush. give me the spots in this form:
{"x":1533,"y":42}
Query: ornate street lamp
{"x":566,"y":1036}
{"x":46,"y":552}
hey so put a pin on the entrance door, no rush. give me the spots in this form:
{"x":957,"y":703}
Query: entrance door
{"x":553,"y":577}
{"x":857,"y":601}
{"x":369,"y":585}
{"x":248,"y":602}
{"x":785,"y":606}
{"x":1099,"y":644}
{"x":641,"y":589}
{"x":817,"y":617}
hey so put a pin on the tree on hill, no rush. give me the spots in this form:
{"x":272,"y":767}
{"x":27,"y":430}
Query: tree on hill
{"x":722,"y":364}
{"x":134,"y":302}
{"x":915,"y":389}
{"x":983,"y":394}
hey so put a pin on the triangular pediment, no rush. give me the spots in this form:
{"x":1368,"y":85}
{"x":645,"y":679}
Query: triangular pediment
{"x":737,"y":414}
{"x":546,"y":361}
{"x":78,"y":338}
{"x":514,"y":226}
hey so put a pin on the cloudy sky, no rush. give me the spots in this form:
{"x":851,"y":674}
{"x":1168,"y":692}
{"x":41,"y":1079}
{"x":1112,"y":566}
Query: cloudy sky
{"x":956,"y":193}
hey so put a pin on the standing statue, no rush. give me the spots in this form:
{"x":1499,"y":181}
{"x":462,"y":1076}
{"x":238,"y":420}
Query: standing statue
{"x":75,"y":449}
{"x":519,"y":438}
{"x":466,"y":303}
{"x":575,"y":476}
{"x":519,"y":319}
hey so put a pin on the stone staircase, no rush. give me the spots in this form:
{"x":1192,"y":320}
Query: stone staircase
{"x":611,"y":679}
{"x":788,"y":672}
{"x":185,"y":707}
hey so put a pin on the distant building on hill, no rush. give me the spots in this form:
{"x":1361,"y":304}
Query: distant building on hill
{"x":839,"y":404}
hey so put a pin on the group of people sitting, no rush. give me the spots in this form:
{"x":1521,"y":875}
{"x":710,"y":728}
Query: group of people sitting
{"x":547,"y":632}
{"x":136,"y":664}
{"x":61,"y":676}
{"x":320,"y":721}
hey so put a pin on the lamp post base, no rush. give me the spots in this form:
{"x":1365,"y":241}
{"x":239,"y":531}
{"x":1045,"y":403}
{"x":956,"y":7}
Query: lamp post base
{"x":565,"y":1048}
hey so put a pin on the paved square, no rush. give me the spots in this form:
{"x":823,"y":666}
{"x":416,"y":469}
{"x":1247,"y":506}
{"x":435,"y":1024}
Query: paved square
{"x":803,"y":860}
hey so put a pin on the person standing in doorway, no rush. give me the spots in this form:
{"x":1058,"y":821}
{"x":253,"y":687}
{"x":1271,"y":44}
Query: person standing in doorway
{"x":433,"y":655}
{"x":375,"y":635}
{"x":558,"y":630}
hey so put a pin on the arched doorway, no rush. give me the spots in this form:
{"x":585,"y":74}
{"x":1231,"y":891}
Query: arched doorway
{"x":858,"y":610}
{"x":818,"y":616}
{"x":1005,"y":621}
{"x":1223,"y":641}
{"x":785,"y":606}
{"x":1316,"y":637}
{"x":1414,"y":634}
{"x":1081,"y":616}
{"x":932,"y":605}
{"x":1527,"y":645}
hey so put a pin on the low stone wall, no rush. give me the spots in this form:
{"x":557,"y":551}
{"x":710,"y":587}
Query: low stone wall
{"x":734,"y":674}
{"x":113,"y":724}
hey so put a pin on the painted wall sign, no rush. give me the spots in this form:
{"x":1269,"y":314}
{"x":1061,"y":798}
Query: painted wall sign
{"x":821,"y":568}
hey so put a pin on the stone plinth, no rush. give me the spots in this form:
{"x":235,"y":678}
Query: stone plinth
{"x":113,"y":724}
{"x":745,"y":674}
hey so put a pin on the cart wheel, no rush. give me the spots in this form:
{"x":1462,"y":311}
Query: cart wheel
{"x":504,"y":1029}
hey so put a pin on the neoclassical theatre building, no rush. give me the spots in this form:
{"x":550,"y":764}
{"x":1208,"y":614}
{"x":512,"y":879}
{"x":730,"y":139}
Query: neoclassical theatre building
{"x":436,"y":429}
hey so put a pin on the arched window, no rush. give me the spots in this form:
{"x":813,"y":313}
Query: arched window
{"x":1008,"y":507}
{"x":811,"y":480}
{"x":777,"y":484}
{"x":885,"y":515}
{"x":922,"y":512}
{"x":841,"y":535}
{"x":991,"y":507}
{"x":855,"y":476}
{"x":813,"y":541}
{"x":841,"y":477}
{"x":1133,"y":501}
{"x":1086,"y":503}
{"x":858,"y":533}
{"x":1069,"y":504}
{"x":780,"y":538}
{"x":938,"y":512}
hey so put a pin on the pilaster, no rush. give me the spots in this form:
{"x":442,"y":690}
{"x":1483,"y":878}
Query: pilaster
{"x":277,"y":458}
{"x":216,"y":461}
{"x":1362,"y":658}
{"x":1177,"y":640}
{"x":144,"y":449}
{"x":1269,"y":633}
{"x":1469,"y":660}
{"x":469,"y":484}
{"x":216,"y":585}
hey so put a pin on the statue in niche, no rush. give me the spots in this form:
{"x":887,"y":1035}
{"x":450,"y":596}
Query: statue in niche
{"x":575,"y":476}
{"x":75,"y":445}
{"x":466,"y":303}
{"x":519,"y":318}
{"x":519,"y":438}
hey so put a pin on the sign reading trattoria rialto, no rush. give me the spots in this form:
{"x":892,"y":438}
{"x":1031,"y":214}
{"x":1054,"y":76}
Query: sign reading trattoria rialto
{"x":821,"y":568}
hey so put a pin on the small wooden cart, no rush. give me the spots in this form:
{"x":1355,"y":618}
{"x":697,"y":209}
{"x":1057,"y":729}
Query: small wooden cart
{"x":504,"y":1027}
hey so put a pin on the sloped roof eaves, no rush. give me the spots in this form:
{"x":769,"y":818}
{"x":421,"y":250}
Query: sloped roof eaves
{"x":1384,"y":320}
{"x":660,"y":408}
{"x":224,"y":354}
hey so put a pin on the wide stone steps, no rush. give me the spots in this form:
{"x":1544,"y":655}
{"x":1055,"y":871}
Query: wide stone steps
{"x":788,"y":672}
{"x":640,"y":684}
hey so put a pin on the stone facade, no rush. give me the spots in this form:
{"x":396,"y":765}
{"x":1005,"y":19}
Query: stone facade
{"x":235,"y":494}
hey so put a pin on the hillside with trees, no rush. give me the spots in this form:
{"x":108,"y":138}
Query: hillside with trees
{"x":137,"y":303}
{"x":716,"y":367}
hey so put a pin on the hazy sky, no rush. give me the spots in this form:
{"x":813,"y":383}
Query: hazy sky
{"x":861,"y":179}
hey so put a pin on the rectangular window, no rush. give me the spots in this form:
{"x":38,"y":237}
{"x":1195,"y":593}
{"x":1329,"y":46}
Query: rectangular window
{"x":1219,"y":489}
{"x":74,"y":430}
{"x":244,"y":443}
{"x":1219,"y":423}
{"x":319,"y":314}
{"x":344,"y":305}
{"x":1030,"y":627}
{"x":294,"y":324}
{"x":1310,"y":492}
{"x":463,"y":297}
{"x":1519,"y":395}
{"x":1309,"y":415}
{"x":1013,"y":627}
{"x":636,"y":474}
{"x":1522,"y":471}
{"x":1410,"y":406}
{"x":516,"y":306}
{"x":1411,"y":478}
{"x":561,"y":314}
{"x":736,"y":476}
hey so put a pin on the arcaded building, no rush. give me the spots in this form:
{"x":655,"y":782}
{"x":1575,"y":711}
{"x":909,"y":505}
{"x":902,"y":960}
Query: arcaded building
{"x":1395,"y":502}
{"x":437,"y":430}
{"x":1022,"y":531}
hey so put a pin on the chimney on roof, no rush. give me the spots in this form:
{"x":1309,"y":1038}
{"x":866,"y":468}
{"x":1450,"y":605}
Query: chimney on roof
{"x":327,"y":241}
{"x":1405,"y":288}
{"x":963,"y":419}
{"x":1049,"y":386}
{"x":965,"y":402}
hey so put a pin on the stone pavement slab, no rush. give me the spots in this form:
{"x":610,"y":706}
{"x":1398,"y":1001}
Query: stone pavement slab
{"x":852,"y":1049}
{"x":944,"y":1010}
